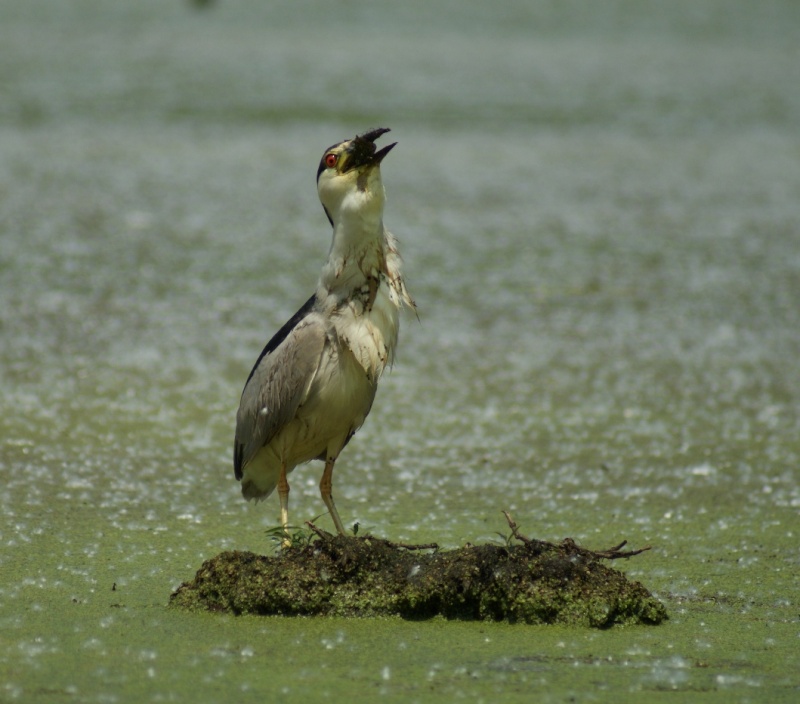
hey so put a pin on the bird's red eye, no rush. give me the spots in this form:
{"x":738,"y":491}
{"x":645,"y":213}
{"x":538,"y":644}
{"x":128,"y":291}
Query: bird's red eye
{"x":330,"y":160}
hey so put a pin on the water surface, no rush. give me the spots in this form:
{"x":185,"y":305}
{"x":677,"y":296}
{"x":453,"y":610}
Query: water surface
{"x":599,"y":216}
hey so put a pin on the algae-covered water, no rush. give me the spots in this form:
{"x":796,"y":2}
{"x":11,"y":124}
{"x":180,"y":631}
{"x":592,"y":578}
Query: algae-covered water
{"x":599,"y":209}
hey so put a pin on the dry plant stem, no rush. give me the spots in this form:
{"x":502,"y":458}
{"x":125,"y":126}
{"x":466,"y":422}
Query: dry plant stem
{"x":406,"y":546}
{"x":610,"y":554}
{"x":321,"y":533}
{"x":512,"y":524}
{"x":613,"y":553}
{"x":616,"y":552}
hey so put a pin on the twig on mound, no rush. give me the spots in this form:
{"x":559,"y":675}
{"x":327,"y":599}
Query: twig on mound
{"x":321,"y":533}
{"x":568,"y":543}
{"x":530,"y":542}
{"x":405,"y":546}
{"x":515,"y":530}
{"x":616,"y":552}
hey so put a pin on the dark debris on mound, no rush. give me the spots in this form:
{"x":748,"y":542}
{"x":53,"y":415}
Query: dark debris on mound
{"x":530,"y":581}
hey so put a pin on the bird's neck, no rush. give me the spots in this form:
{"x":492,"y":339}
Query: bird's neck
{"x":357,"y":255}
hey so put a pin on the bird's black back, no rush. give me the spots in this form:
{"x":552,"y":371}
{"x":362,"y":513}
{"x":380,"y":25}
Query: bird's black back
{"x":282,"y":334}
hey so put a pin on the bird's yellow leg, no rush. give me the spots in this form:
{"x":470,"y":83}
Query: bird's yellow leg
{"x":283,"y":495}
{"x":325,"y":487}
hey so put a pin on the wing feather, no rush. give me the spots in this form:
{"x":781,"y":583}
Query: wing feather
{"x":278,"y":384}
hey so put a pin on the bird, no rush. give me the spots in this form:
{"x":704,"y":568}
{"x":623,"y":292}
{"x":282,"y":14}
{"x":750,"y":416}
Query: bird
{"x":314,"y":383}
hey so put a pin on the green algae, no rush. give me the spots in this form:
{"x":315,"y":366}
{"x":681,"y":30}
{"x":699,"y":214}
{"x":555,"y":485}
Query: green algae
{"x":533,"y":582}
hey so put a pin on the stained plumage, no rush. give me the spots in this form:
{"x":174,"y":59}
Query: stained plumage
{"x":314,"y":383}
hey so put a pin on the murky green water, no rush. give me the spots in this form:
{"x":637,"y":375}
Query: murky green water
{"x":599,"y":209}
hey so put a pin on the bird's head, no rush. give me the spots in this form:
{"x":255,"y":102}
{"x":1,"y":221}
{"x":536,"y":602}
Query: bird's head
{"x":349,"y":175}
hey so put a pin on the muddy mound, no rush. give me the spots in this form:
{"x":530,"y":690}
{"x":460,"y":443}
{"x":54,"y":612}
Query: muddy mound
{"x":530,"y":581}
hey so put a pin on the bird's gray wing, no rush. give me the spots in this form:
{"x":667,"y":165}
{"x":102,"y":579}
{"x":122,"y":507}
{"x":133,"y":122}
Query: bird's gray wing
{"x":277,"y":386}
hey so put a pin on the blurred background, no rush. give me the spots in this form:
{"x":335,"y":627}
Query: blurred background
{"x":598,"y":205}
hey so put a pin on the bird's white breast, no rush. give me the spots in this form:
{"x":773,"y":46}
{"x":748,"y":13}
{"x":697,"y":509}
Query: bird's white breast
{"x":370,"y":330}
{"x":339,"y":400}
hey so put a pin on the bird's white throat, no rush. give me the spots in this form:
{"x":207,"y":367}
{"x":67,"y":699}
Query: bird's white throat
{"x":358,"y":248}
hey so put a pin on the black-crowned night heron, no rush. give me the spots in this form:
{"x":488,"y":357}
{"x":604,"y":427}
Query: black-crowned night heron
{"x":313,"y":385}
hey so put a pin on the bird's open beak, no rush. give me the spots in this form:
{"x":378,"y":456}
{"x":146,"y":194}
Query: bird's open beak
{"x":361,"y":150}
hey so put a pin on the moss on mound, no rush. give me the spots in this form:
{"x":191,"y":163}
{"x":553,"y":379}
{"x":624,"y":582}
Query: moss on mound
{"x":531,"y":582}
